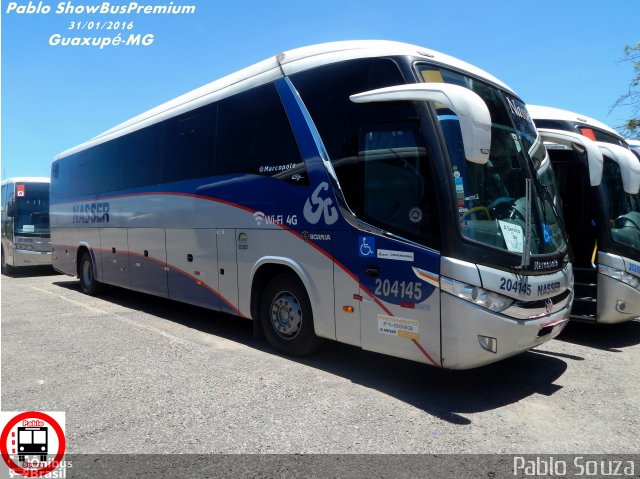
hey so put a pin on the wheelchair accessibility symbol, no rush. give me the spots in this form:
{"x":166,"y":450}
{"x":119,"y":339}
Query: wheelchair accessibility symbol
{"x":366,"y":246}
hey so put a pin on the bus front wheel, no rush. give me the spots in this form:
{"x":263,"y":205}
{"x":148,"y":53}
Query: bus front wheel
{"x":7,"y":269}
{"x":286,"y":317}
{"x":88,"y":282}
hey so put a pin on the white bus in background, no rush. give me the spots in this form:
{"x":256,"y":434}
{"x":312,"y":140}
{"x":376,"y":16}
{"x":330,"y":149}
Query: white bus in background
{"x":635,"y":146}
{"x":375,"y":193}
{"x":25,"y":223}
{"x":598,"y":178}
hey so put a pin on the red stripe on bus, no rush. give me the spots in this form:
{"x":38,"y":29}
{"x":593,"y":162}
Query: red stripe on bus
{"x":165,"y":264}
{"x":284,"y":227}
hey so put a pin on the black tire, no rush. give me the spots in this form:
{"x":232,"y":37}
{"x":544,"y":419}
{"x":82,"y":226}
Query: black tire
{"x":20,"y":458}
{"x":88,"y":282}
{"x":286,"y":316}
{"x":7,"y":270}
{"x":43,"y":458}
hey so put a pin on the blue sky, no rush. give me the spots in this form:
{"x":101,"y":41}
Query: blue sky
{"x":562,"y":53}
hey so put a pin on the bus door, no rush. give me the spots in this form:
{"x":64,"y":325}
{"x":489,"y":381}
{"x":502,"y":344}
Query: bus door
{"x":400,"y":314}
{"x":7,"y":221}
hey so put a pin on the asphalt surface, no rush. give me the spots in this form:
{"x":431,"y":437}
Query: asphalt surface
{"x":138,"y":374}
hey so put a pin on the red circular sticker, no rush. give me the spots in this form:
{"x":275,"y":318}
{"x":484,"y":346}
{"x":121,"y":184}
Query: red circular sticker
{"x":415,"y":215}
{"x":36,"y":420}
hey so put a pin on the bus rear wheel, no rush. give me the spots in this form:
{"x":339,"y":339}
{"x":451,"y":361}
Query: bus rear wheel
{"x":286,"y":317}
{"x":7,"y":270}
{"x":88,"y":282}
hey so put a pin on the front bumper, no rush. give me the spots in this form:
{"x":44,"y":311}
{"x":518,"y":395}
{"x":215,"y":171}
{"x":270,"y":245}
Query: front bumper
{"x":23,"y":258}
{"x":465,"y":322}
{"x":617,"y":301}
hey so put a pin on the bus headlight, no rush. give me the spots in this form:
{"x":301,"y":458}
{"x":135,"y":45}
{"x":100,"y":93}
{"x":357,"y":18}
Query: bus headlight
{"x":476,"y":295}
{"x":621,"y":276}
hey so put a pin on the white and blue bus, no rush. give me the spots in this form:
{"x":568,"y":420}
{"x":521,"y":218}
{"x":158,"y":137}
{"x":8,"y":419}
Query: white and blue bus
{"x":26,"y":240}
{"x":598,"y":178}
{"x":375,"y":193}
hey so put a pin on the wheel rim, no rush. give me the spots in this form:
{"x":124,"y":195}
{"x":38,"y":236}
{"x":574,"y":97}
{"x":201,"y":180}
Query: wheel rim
{"x":87,"y":273}
{"x":286,"y":315}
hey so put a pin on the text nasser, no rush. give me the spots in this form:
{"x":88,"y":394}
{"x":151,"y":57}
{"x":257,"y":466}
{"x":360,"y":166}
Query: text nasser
{"x":91,"y":213}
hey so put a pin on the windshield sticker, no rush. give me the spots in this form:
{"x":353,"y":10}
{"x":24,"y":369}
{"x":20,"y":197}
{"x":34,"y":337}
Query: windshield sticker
{"x":20,"y":191}
{"x":395,"y":255}
{"x":546,"y":230}
{"x":513,"y":236}
{"x":517,"y":142}
{"x":400,"y":327}
{"x":415,"y":215}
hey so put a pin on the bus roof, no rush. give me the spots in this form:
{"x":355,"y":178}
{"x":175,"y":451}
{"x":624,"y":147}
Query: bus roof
{"x":288,"y":62}
{"x":27,"y":179}
{"x":538,"y":112}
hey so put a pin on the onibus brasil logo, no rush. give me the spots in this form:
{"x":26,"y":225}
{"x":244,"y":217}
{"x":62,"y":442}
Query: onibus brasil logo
{"x":33,"y":443}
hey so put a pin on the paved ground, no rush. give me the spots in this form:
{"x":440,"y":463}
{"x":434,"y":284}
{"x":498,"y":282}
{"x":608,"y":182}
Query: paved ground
{"x":137,"y":374}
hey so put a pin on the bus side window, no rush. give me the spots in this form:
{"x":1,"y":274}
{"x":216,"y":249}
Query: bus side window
{"x":255,"y":137}
{"x":189,"y":145}
{"x":376,"y":149}
{"x":397,"y":185}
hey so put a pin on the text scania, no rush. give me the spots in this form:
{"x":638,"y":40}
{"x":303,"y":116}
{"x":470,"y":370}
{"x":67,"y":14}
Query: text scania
{"x":70,"y":8}
{"x":91,"y":213}
{"x":134,"y":40}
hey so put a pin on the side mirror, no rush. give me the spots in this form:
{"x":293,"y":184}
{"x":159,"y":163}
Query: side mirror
{"x":472,"y":111}
{"x":10,"y":209}
{"x":628,"y":163}
{"x":581,"y":144}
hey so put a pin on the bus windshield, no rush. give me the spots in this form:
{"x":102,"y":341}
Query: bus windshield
{"x":31,"y":212}
{"x":622,"y":208}
{"x":491,"y":198}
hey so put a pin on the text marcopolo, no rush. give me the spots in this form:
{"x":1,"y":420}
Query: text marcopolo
{"x":105,"y":8}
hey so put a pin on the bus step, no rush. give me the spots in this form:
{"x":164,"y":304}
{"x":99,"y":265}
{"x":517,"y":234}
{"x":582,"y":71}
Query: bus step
{"x":583,"y":275}
{"x":581,"y":270}
{"x":589,"y":318}
{"x":585,"y":299}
